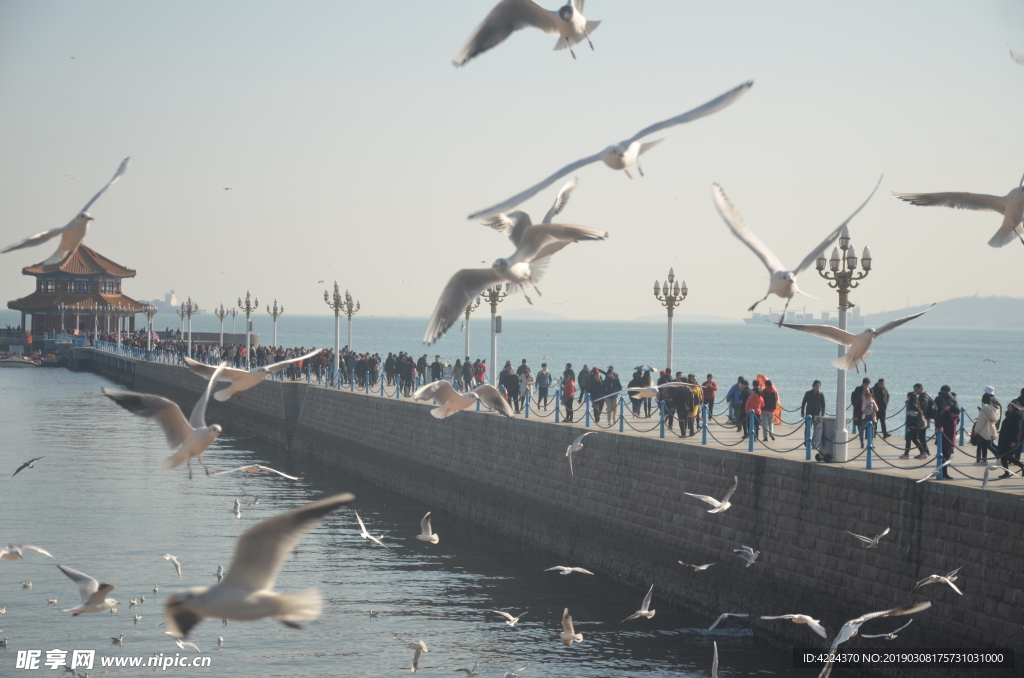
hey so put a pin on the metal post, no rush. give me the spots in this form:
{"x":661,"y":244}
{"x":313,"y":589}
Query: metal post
{"x":382,"y":392}
{"x":622,"y":414}
{"x":751,"y":430}
{"x":352,"y":381}
{"x":938,"y":453}
{"x":661,"y":409}
{"x":586,"y":405}
{"x":367,"y":382}
{"x":808,"y":423}
{"x":869,"y":445}
{"x":704,"y":424}
{"x":527,"y":403}
{"x":963,"y":417}
{"x":337,"y":344}
{"x":494,"y":342}
{"x":558,"y":402}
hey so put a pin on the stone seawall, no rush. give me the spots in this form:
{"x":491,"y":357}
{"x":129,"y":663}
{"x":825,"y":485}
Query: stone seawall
{"x":624,"y":512}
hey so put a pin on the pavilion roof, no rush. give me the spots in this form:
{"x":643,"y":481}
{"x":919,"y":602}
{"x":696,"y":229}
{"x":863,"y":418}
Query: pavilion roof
{"x":48,"y":301}
{"x":83,"y":261}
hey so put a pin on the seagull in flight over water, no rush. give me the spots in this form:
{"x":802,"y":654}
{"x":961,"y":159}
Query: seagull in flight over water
{"x":1011,"y":206}
{"x":621,"y":155}
{"x":15,"y":551}
{"x":563,"y":570}
{"x":174,"y":561}
{"x":724,"y":615}
{"x":94,"y":594}
{"x":242,"y":380}
{"x":645,"y":610}
{"x":812,"y":624}
{"x":426,"y":531}
{"x":255,"y":468}
{"x":869,"y":543}
{"x":782,"y":281}
{"x":31,"y":463}
{"x":719,"y":506}
{"x":71,"y":235}
{"x":509,"y":619}
{"x":450,"y":402}
{"x":852,"y":627}
{"x":366,"y":535}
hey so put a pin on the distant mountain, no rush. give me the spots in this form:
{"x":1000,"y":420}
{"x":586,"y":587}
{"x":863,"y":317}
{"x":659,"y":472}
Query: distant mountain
{"x":988,"y":312}
{"x":693,"y":319}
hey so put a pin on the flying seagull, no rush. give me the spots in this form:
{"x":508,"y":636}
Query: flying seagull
{"x":858,"y":343}
{"x":94,"y":594}
{"x":449,"y":401}
{"x":852,"y":627}
{"x":723,"y":616}
{"x":219,"y":574}
{"x":645,"y":610}
{"x":869,"y":543}
{"x":514,"y":223}
{"x":509,"y":619}
{"x":939,"y":579}
{"x":719,"y":506}
{"x":246,"y":592}
{"x":782,"y":281}
{"x":994,"y":467}
{"x":812,"y":624}
{"x":697,"y":568}
{"x":15,"y":551}
{"x":568,"y":634}
{"x":888,"y":636}
{"x":644,"y":392}
{"x":73,"y":233}
{"x":575,"y":446}
{"x":748,"y":554}
{"x":191,"y":437}
{"x":470,"y":672}
{"x":415,"y":660}
{"x":366,"y":535}
{"x":714,"y":661}
{"x":242,"y":380}
{"x":1019,"y":58}
{"x":427,"y":532}
{"x":254,"y":468}
{"x":524,"y":267}
{"x":1011,"y":206}
{"x":31,"y":463}
{"x":174,"y":561}
{"x":936,"y":472}
{"x":621,"y":155}
{"x":508,"y":16}
{"x":237,"y":509}
{"x":564,"y":569}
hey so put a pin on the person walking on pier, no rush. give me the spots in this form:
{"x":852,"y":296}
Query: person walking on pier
{"x":868,"y":415}
{"x":582,"y":383}
{"x":734,"y":401}
{"x":509,"y":382}
{"x":436,"y":369}
{"x":754,"y":404}
{"x":568,"y":394}
{"x":857,"y":401}
{"x":526,"y":381}
{"x":481,"y":372}
{"x":915,"y":423}
{"x":770,"y":396}
{"x":568,"y":373}
{"x":543,"y":381}
{"x":612,"y":385}
{"x":468,"y":374}
{"x":523,"y":367}
{"x":636,"y":382}
{"x":709,"y":388}
{"x":457,"y":373}
{"x":813,"y":403}
{"x":927,"y":407}
{"x":595,"y":387}
{"x":1011,"y":433}
{"x":881,"y":394}
{"x":984,"y":430}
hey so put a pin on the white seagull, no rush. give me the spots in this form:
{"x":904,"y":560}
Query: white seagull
{"x":870,"y":543}
{"x":73,"y":233}
{"x":994,"y":467}
{"x":138,"y":618}
{"x":51,"y":601}
{"x":563,"y":569}
{"x":237,"y":510}
{"x":16,"y":551}
{"x":514,"y":223}
{"x":415,"y":660}
{"x":426,"y":532}
{"x":219,"y":574}
{"x":782,"y":281}
{"x":117,"y":640}
{"x":939,"y":579}
{"x":191,"y":437}
{"x":645,"y":610}
{"x":888,"y":636}
{"x":450,"y":401}
{"x":509,"y":619}
{"x":568,"y":634}
{"x":366,"y":535}
{"x":852,"y":627}
{"x":719,"y":506}
{"x":714,"y":661}
{"x":182,"y":644}
{"x":697,"y":568}
{"x":935,"y":473}
{"x":94,"y":594}
{"x":644,"y":392}
{"x":508,"y":16}
{"x":246,"y":592}
{"x":1019,"y":58}
{"x":1011,"y":206}
{"x":722,"y":616}
{"x":812,"y":624}
{"x":575,"y":446}
{"x":857,"y":343}
{"x":748,"y":554}
{"x":254,"y":468}
{"x":470,"y":672}
{"x":621,"y":155}
{"x":524,"y":267}
{"x":26,"y":584}
{"x":242,"y":380}
{"x":31,"y":463}
{"x":174,"y":561}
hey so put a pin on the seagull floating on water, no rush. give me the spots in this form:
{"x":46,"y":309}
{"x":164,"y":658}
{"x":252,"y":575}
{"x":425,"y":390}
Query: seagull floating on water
{"x":621,"y":155}
{"x":426,"y":532}
{"x":26,"y":584}
{"x":449,"y":401}
{"x":940,"y":579}
{"x":869,"y":543}
{"x":94,"y":594}
{"x":562,"y":569}
{"x":31,"y":463}
{"x":174,"y":561}
{"x":16,"y":551}
{"x":568,"y":634}
{"x":71,"y":235}
{"x":812,"y":624}
{"x":51,"y":601}
{"x":725,"y":615}
{"x":575,"y":446}
{"x":1011,"y":206}
{"x":118,"y":640}
{"x":509,"y":619}
{"x":719,"y":506}
{"x":645,"y":610}
{"x":242,"y":380}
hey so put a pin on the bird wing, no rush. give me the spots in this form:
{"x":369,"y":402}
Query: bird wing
{"x":441,"y":391}
{"x":567,"y":623}
{"x":37,"y":239}
{"x":261,"y":549}
{"x":782,"y":616}
{"x":882,"y":533}
{"x":952,"y":585}
{"x":361,"y":525}
{"x":561,"y":200}
{"x":234,"y":470}
{"x":283,"y":475}
{"x":167,"y":414}
{"x":580,"y":570}
{"x":960,"y":201}
{"x":714,"y":661}
{"x":705,"y":498}
{"x":100,"y":595}
{"x":825,"y":332}
{"x":861,"y":537}
{"x":277,"y":367}
{"x":425,"y":527}
{"x":206,"y":371}
{"x":534,"y":190}
{"x":735,"y":484}
{"x":30,"y":547}
{"x":198,"y":418}
{"x":506,"y":615}
{"x":734,"y":220}
{"x":86,"y":584}
{"x":507,"y":17}
{"x":718,"y":621}
{"x":502,"y":223}
{"x":580,"y":438}
{"x":909,"y":608}
{"x":710,"y":107}
{"x":815,"y":626}
{"x":117,"y":175}
{"x":461,"y":289}
{"x":1019,"y":58}
{"x":491,"y":397}
{"x":809,"y":260}
{"x":536,"y":237}
{"x":23,"y":466}
{"x":899,"y":321}
{"x":646,"y":605}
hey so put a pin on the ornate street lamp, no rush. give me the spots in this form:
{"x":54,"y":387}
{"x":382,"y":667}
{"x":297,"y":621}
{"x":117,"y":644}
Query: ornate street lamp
{"x":275,"y":314}
{"x":470,"y":307}
{"x":493,"y":296}
{"x":349,"y":308}
{"x":77,"y":306}
{"x":119,"y":310}
{"x":180,"y":312}
{"x":841,"y":277}
{"x":670,"y":293}
{"x":221,"y":314}
{"x":335,"y":304}
{"x":63,"y":308}
{"x":150,"y":310}
{"x":191,"y":308}
{"x":248,"y":309}
{"x":233,"y":312}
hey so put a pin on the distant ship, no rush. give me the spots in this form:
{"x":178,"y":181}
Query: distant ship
{"x":804,"y":318}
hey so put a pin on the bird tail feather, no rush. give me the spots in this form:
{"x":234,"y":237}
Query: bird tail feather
{"x":176,"y":459}
{"x":304,"y":604}
{"x":438,"y":413}
{"x":1004,"y":236}
{"x":848,"y":362}
{"x":561,"y":44}
{"x":223,"y":394}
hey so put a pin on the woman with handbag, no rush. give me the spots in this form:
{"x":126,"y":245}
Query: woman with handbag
{"x":984,"y":430}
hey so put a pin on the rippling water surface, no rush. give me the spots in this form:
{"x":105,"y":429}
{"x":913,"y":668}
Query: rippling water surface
{"x":100,"y":502}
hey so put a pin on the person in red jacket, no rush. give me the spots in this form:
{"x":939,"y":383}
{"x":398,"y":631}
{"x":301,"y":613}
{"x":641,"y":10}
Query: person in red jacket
{"x":770,"y":396}
{"x":710,"y":388}
{"x":568,"y":393}
{"x":755,"y":403}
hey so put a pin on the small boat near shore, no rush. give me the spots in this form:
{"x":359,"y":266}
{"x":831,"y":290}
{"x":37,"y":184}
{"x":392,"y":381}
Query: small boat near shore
{"x":14,"y":361}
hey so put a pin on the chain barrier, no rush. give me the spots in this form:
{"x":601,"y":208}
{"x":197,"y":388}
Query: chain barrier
{"x":738,"y":442}
{"x":765,"y":445}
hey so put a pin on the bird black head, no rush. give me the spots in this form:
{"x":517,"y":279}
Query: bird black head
{"x":565,"y":13}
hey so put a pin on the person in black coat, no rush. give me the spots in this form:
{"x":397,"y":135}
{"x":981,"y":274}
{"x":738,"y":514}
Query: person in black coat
{"x":1011,"y":433}
{"x":636,"y":382}
{"x":682,"y":400}
{"x":510,"y":383}
{"x":881,"y":394}
{"x":612,"y":385}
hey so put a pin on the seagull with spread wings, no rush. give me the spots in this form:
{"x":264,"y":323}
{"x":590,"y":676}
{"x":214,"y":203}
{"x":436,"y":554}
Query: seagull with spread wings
{"x":623,"y":154}
{"x":513,"y":223}
{"x":719,"y":506}
{"x":565,"y":569}
{"x":31,"y":463}
{"x":568,"y":634}
{"x":509,"y":619}
{"x":255,"y":468}
{"x":174,"y":561}
{"x":852,"y":627}
{"x":869,"y":543}
{"x":71,"y":235}
{"x":645,"y":610}
{"x":644,"y":392}
{"x":812,"y":624}
{"x":1019,"y":58}
{"x":782,"y":281}
{"x":575,"y":446}
{"x":726,"y":615}
{"x":16,"y":551}
{"x":858,"y":343}
{"x":525,"y":267}
{"x":748,"y":554}
{"x":366,"y":535}
{"x":1011,"y":206}
{"x":697,"y":568}
{"x":508,"y":16}
{"x":940,"y":579}
{"x":888,"y":636}
{"x":94,"y":594}
{"x":246,"y":592}
{"x":190,"y":436}
{"x":242,"y":380}
{"x":450,"y":401}
{"x":426,"y":531}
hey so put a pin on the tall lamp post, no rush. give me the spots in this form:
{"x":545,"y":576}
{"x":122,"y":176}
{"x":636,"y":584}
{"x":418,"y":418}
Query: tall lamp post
{"x":275,"y":314}
{"x":335,"y":303}
{"x":493,"y":296}
{"x":63,"y":308}
{"x":248,"y":309}
{"x":233,"y":312}
{"x":221,"y":314}
{"x":150,"y":310}
{"x":191,"y":308}
{"x":841,"y":277}
{"x":470,"y":307}
{"x":670,"y":293}
{"x":180,"y":312}
{"x":119,"y":311}
{"x":77,"y":306}
{"x":349,"y":308}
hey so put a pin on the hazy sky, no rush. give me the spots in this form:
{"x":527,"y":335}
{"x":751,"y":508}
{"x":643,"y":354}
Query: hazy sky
{"x":355,"y":149}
